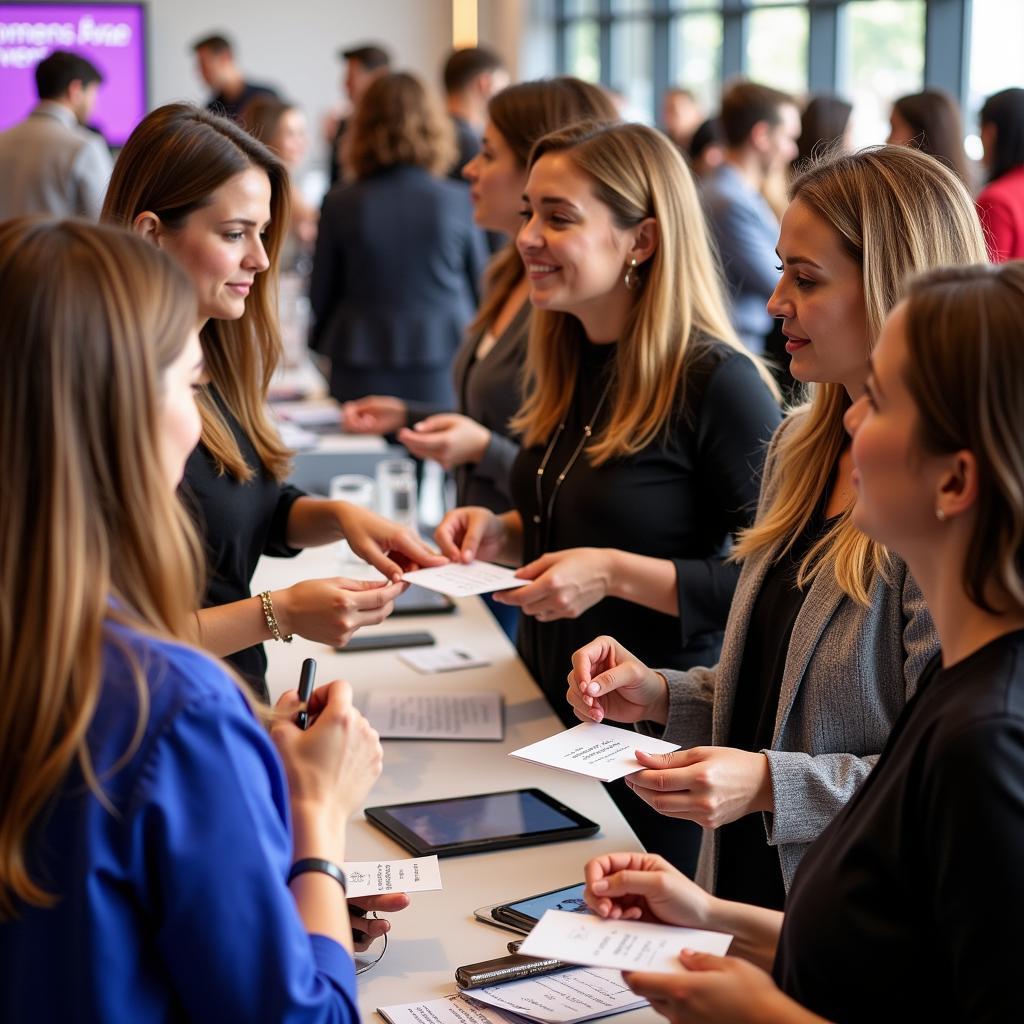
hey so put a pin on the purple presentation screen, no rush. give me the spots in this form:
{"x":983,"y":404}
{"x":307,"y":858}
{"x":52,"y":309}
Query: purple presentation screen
{"x":110,"y":36}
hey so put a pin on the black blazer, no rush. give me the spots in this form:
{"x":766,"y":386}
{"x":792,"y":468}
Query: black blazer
{"x":395,"y":276}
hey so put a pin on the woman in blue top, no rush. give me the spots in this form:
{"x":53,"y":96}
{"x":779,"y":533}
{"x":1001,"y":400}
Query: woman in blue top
{"x":147,"y":822}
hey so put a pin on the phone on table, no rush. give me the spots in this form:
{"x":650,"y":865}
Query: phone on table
{"x":386,"y":642}
{"x":524,"y":914}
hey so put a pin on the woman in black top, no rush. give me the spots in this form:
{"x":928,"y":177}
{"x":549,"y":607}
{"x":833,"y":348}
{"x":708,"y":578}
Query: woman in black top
{"x":199,"y":187}
{"x":907,"y":906}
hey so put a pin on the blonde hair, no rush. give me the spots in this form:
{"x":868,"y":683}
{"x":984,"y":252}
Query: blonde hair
{"x":173,"y":161}
{"x":90,"y":529}
{"x":964,"y":373}
{"x":637,"y":173}
{"x":398,"y":122}
{"x":897,"y":212}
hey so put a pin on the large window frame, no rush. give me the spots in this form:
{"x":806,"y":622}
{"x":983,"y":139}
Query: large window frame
{"x":946,"y":43}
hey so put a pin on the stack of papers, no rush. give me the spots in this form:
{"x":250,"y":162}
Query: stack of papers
{"x":413,"y":715}
{"x":596,"y":750}
{"x":458,"y":580}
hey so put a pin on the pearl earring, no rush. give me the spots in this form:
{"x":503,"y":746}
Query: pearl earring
{"x":631,"y":279}
{"x":940,"y":515}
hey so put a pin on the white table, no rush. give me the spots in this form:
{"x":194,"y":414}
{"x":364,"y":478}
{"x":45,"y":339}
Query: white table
{"x":438,"y":933}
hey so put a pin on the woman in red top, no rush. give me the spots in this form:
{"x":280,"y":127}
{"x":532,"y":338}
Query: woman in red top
{"x":1001,"y":202}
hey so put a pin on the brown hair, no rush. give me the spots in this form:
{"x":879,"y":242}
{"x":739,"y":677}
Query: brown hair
{"x":261,"y":116}
{"x":897,"y":212}
{"x":964,"y":372}
{"x":934,"y":118}
{"x":398,"y":122}
{"x":173,"y":161}
{"x":90,"y":530}
{"x":637,"y":173}
{"x":745,"y":104}
{"x":522,"y":114}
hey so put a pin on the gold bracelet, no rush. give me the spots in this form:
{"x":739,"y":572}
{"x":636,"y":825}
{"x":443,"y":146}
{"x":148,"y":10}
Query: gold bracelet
{"x":268,"y":614}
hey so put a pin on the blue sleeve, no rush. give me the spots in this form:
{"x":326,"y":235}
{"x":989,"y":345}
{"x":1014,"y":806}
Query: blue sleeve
{"x":747,"y":245}
{"x":211,"y":847}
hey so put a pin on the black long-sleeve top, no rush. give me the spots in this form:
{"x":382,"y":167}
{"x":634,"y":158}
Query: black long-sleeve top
{"x":238,"y":523}
{"x":908,"y":906}
{"x":680,"y":498}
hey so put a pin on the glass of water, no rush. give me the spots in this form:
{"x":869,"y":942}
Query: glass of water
{"x":396,"y":492}
{"x":357,"y":490}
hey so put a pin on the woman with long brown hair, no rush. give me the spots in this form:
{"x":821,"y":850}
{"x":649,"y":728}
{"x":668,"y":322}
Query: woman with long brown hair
{"x":203,"y":190}
{"x":147,"y":823}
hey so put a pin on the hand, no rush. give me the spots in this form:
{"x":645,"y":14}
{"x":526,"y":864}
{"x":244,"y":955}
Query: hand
{"x":330,"y":766}
{"x":373,"y":538}
{"x":607,"y":681}
{"x":450,"y":439}
{"x":565,"y":584}
{"x":709,"y":785}
{"x":366,"y":929}
{"x":329,"y":611}
{"x":718,"y":990}
{"x":645,"y":887}
{"x":471,"y":532}
{"x":375,"y":414}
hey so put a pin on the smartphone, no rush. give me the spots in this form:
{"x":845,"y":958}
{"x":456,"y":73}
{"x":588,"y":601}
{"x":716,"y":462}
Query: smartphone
{"x":386,"y":641}
{"x":524,"y":914}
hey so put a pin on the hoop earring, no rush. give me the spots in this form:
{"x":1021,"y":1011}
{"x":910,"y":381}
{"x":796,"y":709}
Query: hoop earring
{"x":631,"y":279}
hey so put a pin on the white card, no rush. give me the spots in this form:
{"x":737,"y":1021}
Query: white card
{"x":375,"y":877}
{"x":442,"y":659}
{"x":412,"y":715}
{"x":454,"y":1009}
{"x":458,"y":580}
{"x":563,"y":998}
{"x":624,"y":945}
{"x":594,"y":749}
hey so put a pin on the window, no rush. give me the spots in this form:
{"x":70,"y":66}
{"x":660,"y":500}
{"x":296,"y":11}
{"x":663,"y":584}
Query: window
{"x":696,"y":56}
{"x":631,"y":74}
{"x":777,"y":48}
{"x":997,"y":35}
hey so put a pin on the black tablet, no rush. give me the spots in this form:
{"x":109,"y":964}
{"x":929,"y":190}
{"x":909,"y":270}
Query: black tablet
{"x":473,"y":824}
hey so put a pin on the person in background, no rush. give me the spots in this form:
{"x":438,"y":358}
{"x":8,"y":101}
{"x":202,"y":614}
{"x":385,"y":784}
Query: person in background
{"x":50,"y":162}
{"x":824,"y":125}
{"x":363,"y":66}
{"x":472,"y":76}
{"x":644,"y":425}
{"x":149,"y":829}
{"x":707,"y":150}
{"x":215,"y":62}
{"x":1001,"y":201}
{"x":761,"y":126}
{"x":281,"y":127}
{"x":398,"y":260}
{"x":203,"y":190}
{"x":681,"y":116}
{"x":931,"y":121}
{"x":828,"y":634}
{"x":907,"y":907}
{"x":477,"y":441}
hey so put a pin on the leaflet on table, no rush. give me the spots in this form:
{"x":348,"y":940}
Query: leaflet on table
{"x":458,"y":580}
{"x":568,"y":997}
{"x":623,"y":945}
{"x":376,"y":877}
{"x":596,"y":750}
{"x":443,"y":659}
{"x":413,"y":715}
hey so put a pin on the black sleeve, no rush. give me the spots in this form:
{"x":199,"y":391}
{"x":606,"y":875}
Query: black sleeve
{"x":738,"y":415}
{"x":973,"y":850}
{"x":324,"y":276}
{"x":277,"y":534}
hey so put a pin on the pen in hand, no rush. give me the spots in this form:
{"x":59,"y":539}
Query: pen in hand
{"x":306,"y":677}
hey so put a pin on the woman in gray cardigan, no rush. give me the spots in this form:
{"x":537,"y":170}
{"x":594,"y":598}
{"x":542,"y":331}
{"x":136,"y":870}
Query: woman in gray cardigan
{"x":827,"y":633}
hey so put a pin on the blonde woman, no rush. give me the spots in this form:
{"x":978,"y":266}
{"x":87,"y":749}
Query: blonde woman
{"x":828,"y":632}
{"x":147,"y":823}
{"x":203,"y":190}
{"x":645,"y":421}
{"x":908,"y":905}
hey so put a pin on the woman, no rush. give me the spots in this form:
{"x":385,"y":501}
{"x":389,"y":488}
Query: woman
{"x":203,"y":190}
{"x":131,"y":888}
{"x":828,"y":633}
{"x":930,"y":121}
{"x":907,"y":906}
{"x":398,"y":260}
{"x":824,"y":125}
{"x":1001,"y":201}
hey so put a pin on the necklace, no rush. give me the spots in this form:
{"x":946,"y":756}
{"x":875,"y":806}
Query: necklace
{"x":543,"y":513}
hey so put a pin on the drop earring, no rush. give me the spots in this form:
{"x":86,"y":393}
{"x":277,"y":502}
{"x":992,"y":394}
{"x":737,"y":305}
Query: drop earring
{"x":631,"y":279}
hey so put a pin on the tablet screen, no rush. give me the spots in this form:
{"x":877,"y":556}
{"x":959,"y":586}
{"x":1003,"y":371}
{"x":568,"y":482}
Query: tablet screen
{"x":443,"y":822}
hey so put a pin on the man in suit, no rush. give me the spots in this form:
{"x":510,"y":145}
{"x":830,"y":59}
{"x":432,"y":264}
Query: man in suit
{"x":363,"y":66}
{"x":760,"y":126}
{"x":471,"y":77}
{"x":215,"y":61}
{"x":50,"y":162}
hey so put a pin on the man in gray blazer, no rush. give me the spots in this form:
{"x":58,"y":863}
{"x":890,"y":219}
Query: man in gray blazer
{"x":50,"y":162}
{"x":761,"y":126}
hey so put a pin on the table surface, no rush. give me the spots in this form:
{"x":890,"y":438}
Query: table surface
{"x":438,"y":933}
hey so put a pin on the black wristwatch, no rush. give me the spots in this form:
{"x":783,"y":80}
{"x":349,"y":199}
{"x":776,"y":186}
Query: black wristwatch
{"x":300,"y":867}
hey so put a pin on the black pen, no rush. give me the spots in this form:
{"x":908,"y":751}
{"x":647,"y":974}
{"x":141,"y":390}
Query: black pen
{"x":306,"y":677}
